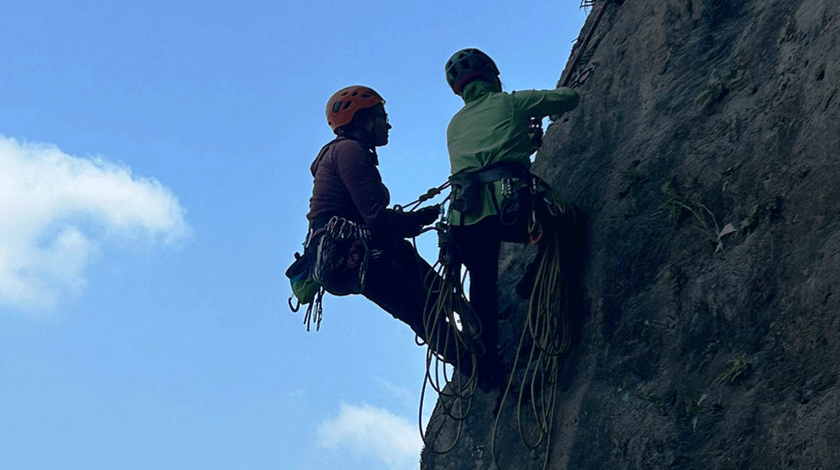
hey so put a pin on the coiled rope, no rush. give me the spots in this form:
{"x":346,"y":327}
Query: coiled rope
{"x":453,"y":332}
{"x":546,"y":335}
{"x":544,"y":339}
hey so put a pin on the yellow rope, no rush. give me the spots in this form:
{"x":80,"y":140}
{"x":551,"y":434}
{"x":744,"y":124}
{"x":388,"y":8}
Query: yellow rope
{"x":547,"y":326}
{"x":440,"y":320}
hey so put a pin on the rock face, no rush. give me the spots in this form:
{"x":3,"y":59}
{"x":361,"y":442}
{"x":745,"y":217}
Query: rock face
{"x":706,"y":152}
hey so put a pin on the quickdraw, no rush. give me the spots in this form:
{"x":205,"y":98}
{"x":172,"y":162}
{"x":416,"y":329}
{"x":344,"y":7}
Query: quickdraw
{"x":315,"y":311}
{"x":578,"y":52}
{"x":541,"y":197}
{"x":510,"y":206}
{"x":584,"y":74}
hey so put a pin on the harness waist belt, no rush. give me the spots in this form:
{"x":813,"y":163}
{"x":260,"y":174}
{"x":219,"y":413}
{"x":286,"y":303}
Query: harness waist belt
{"x":467,"y":185}
{"x":492,"y":173}
{"x":321,"y":221}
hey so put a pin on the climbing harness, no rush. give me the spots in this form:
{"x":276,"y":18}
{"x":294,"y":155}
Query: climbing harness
{"x":335,"y":259}
{"x":467,"y":187}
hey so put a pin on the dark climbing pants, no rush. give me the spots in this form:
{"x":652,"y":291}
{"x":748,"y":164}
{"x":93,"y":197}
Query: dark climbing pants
{"x":478,"y":248}
{"x":396,"y":283}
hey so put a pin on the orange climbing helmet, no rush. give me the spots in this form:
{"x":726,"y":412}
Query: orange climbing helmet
{"x":343,"y":105}
{"x":467,"y":65}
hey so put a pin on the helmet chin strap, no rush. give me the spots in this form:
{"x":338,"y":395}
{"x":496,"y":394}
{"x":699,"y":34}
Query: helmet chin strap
{"x":366,"y":137}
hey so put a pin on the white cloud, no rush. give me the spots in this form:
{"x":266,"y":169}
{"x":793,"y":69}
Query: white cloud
{"x":402,"y":393}
{"x":57,"y":209}
{"x":373,"y":432}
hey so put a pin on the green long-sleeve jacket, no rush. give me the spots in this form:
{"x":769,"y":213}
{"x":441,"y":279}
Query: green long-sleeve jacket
{"x":492,"y":127}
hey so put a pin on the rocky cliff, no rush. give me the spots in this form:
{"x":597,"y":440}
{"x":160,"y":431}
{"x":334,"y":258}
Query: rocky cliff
{"x":706,"y":153}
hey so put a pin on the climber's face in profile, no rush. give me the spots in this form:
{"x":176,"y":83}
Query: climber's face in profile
{"x":380,"y":127}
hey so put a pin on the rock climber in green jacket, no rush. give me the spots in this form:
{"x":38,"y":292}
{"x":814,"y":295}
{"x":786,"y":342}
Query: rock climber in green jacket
{"x":490,"y":144}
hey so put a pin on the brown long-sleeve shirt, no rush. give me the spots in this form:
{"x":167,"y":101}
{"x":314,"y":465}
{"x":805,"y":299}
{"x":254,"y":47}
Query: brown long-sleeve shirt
{"x":347,"y":183}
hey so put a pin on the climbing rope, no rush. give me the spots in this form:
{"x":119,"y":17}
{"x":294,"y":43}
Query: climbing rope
{"x":456,"y":401}
{"x":453,"y":333}
{"x":545,"y":337}
{"x":430,"y":194}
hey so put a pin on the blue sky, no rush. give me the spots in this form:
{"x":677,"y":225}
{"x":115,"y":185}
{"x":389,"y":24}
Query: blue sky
{"x":154,"y":180}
